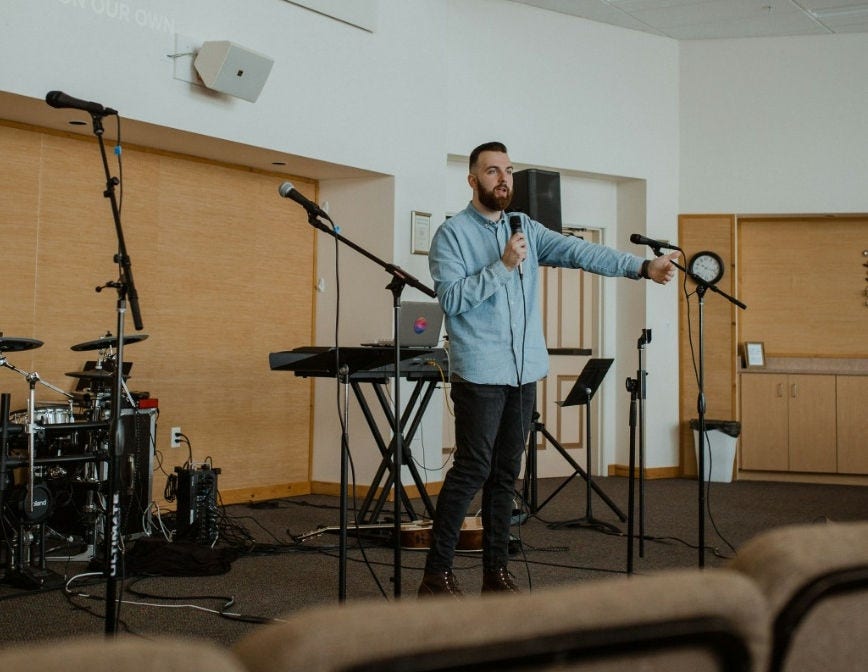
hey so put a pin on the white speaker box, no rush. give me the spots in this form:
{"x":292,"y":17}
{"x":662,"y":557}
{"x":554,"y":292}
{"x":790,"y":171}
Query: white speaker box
{"x":230,"y":68}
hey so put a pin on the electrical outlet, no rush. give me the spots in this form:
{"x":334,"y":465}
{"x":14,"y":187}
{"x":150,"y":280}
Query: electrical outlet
{"x":175,"y":440}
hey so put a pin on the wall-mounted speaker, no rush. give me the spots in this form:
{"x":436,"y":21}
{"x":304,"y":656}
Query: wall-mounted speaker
{"x":537,"y":193}
{"x":229,"y":68}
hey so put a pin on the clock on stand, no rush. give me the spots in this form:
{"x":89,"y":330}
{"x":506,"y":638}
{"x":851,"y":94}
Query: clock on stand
{"x":707,"y":266}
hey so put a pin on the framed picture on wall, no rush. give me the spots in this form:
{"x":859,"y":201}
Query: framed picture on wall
{"x":754,"y":355}
{"x":420,"y":232}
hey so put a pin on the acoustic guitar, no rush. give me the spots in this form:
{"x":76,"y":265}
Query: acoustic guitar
{"x":417,"y":535}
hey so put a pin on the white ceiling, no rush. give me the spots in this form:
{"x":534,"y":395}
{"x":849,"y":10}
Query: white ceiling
{"x":715,"y":19}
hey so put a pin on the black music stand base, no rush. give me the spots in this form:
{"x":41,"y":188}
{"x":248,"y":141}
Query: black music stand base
{"x":591,"y":523}
{"x":583,"y":391}
{"x":588,"y":520}
{"x":530,"y":498}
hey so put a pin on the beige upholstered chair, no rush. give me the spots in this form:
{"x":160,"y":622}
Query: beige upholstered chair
{"x":681,"y":620}
{"x":122,"y":653}
{"x":815,"y":578}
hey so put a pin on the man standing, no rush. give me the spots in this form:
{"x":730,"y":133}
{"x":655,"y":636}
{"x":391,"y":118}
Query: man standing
{"x":486,"y":276}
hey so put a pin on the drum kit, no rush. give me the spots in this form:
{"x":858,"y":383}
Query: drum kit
{"x":54,"y":459}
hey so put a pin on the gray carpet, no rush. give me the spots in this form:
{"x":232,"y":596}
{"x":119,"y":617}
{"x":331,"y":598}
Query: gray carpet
{"x":275,"y":575}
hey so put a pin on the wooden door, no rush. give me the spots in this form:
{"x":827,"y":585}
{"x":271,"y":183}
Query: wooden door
{"x":571,"y":307}
{"x":695,"y":233}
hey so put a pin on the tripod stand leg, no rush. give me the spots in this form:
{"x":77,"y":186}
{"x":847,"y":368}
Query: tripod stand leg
{"x":556,"y":491}
{"x":588,"y":520}
{"x":531,"y":475}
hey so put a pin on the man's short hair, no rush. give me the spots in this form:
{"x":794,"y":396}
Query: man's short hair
{"x":486,"y":147}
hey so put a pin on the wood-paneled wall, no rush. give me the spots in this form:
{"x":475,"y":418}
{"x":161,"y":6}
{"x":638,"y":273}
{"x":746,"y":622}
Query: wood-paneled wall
{"x":805,"y":280}
{"x":225,"y":274}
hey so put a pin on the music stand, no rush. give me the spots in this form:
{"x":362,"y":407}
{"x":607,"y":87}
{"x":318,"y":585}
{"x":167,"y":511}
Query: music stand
{"x":341,"y":363}
{"x":583,"y":391}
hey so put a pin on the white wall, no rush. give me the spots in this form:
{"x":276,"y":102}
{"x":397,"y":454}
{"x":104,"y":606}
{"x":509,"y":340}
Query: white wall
{"x":581,"y":97}
{"x":436,"y":78}
{"x":775,"y":125}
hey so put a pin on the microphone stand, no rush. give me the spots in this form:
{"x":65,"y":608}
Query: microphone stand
{"x":400,"y":278}
{"x":702,"y":287}
{"x":638,"y":391}
{"x":633,"y":389}
{"x":344,"y":378}
{"x":125,"y":288}
{"x":641,"y":378}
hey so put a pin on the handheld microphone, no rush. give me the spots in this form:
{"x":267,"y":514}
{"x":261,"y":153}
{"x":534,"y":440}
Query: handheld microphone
{"x":59,"y":100}
{"x":515,"y":227}
{"x":655,"y":244}
{"x":288,"y":191}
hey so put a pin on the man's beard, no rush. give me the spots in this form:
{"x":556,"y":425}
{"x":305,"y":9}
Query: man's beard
{"x":494,"y":202}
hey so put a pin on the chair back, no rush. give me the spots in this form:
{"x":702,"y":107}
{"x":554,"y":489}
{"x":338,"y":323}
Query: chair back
{"x":815,"y":578}
{"x":679,"y":620}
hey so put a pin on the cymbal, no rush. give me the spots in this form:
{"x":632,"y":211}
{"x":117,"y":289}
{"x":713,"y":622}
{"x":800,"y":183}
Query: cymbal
{"x":92,"y":373}
{"x":85,"y":398}
{"x":8,"y":344}
{"x":108,"y":341}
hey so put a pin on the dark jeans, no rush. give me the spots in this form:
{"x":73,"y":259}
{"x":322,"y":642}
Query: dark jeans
{"x":491,"y":427}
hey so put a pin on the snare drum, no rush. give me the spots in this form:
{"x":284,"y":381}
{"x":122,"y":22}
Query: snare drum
{"x":46,"y":414}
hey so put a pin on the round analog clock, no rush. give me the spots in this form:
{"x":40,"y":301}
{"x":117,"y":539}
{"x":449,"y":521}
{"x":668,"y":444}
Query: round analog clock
{"x":707,"y":266}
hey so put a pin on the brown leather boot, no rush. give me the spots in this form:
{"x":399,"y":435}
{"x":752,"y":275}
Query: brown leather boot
{"x":440,"y":583}
{"x":498,"y":581}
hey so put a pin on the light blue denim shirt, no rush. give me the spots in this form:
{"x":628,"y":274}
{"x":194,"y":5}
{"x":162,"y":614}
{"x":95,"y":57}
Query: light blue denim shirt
{"x":485,"y":303}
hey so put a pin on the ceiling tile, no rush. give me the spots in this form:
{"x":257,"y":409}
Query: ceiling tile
{"x":709,"y":19}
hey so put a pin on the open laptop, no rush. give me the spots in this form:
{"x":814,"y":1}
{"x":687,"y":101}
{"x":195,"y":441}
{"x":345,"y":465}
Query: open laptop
{"x":419,"y":326}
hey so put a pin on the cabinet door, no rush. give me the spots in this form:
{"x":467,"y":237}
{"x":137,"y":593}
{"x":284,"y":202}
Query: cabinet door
{"x":852,"y":424}
{"x":764,"y":424}
{"x":812,"y":423}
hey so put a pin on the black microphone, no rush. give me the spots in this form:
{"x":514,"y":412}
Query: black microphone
{"x":60,"y":100}
{"x":515,"y":227}
{"x":288,"y":191}
{"x":655,"y":244}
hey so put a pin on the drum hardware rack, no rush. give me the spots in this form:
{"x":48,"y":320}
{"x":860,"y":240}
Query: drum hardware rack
{"x":44,"y":444}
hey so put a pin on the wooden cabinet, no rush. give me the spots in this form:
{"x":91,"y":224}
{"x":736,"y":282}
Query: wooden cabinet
{"x":764,"y":422}
{"x":804,"y":423}
{"x":852,"y":393}
{"x":813,"y":433}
